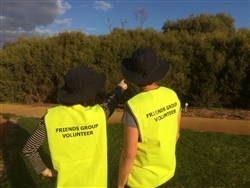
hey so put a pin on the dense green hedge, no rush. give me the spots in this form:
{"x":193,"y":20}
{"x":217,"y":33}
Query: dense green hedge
{"x":210,"y":61}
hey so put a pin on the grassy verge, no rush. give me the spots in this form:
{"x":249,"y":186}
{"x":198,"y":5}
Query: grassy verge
{"x":203,"y":159}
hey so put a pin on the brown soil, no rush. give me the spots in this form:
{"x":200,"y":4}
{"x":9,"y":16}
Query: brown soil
{"x":218,"y":120}
{"x":38,"y":111}
{"x":233,"y":114}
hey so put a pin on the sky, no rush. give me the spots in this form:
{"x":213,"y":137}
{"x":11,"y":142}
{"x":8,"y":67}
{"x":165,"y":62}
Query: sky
{"x":48,"y":17}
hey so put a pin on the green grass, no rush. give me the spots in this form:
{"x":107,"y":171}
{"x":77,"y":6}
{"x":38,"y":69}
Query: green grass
{"x":204,"y":160}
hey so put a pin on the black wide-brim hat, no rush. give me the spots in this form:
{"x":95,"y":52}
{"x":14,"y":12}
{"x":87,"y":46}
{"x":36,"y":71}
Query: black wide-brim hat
{"x":143,"y":67}
{"x":81,"y":84}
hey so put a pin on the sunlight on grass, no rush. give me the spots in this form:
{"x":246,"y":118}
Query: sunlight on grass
{"x":203,"y":159}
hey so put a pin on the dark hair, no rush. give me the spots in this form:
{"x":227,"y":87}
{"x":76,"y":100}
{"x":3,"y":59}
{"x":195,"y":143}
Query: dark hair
{"x":143,"y":85}
{"x":89,"y":102}
{"x":69,"y":104}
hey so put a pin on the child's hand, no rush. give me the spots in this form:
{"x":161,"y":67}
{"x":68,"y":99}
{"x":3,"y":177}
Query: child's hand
{"x":123,"y":85}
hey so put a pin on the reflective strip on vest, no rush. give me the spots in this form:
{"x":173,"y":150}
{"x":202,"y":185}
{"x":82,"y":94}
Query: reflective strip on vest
{"x":156,"y":112}
{"x":78,"y":145}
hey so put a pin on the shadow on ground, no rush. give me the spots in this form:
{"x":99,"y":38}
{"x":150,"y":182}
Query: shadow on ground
{"x":15,"y":173}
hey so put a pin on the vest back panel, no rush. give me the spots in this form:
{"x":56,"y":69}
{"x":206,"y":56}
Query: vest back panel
{"x":156,"y":113}
{"x":78,"y":145}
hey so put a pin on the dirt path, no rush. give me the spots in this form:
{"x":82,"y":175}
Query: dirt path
{"x":39,"y":111}
{"x":194,"y":123}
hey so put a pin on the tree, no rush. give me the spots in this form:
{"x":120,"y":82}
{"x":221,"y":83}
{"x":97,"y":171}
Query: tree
{"x":124,"y":23}
{"x":207,"y":67}
{"x":109,"y":25}
{"x":141,"y":15}
{"x":203,"y":23}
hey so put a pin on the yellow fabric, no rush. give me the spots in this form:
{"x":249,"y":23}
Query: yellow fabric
{"x":156,"y":112}
{"x":78,"y":145}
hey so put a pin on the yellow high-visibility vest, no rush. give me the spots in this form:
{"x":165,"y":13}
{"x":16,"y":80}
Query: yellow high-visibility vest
{"x":156,"y":112}
{"x":78,"y":145}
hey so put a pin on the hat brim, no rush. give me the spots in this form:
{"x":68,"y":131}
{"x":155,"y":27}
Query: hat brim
{"x":93,"y":89}
{"x":136,"y":78}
